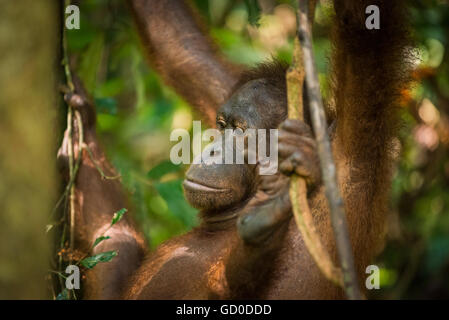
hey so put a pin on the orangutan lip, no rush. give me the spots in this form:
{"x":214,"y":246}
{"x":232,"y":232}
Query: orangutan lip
{"x":189,"y":184}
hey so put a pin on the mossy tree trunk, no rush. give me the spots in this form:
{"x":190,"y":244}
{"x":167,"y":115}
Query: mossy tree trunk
{"x":29,"y":69}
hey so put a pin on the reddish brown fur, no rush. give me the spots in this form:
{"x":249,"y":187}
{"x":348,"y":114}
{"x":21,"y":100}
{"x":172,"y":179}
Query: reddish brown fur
{"x":370,"y":69}
{"x":173,"y":36}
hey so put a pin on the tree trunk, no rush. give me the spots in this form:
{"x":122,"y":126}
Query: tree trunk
{"x":29,"y":69}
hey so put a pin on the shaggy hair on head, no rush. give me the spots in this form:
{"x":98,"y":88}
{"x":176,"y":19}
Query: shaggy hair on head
{"x":273,"y":72}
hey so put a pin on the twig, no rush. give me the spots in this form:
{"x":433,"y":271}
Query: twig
{"x":71,"y":170}
{"x":92,"y":246}
{"x":72,"y":181}
{"x":73,"y":167}
{"x":79,"y":123}
{"x":92,"y":158}
{"x":63,"y":196}
{"x":319,"y":124}
{"x":298,"y":189}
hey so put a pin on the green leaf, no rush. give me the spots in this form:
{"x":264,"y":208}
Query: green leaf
{"x":63,"y":295}
{"x":162,"y":169}
{"x":100,"y":239}
{"x":106,"y":105}
{"x":172,"y":193}
{"x":253,"y":12}
{"x":92,"y":261}
{"x":118,"y":216}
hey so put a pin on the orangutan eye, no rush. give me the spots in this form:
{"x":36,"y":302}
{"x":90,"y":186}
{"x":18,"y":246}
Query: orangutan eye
{"x":221,"y":123}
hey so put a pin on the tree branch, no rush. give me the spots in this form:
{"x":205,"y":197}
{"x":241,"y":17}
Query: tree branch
{"x":328,"y":168}
{"x":298,"y":189}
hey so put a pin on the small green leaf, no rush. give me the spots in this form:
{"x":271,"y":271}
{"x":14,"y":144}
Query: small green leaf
{"x":91,"y":262}
{"x":118,"y":216}
{"x":100,"y":239}
{"x":63,"y":295}
{"x":254,"y":12}
{"x":162,"y":169}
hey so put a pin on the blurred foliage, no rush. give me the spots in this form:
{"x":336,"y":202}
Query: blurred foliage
{"x":136,"y":113}
{"x":416,"y":258}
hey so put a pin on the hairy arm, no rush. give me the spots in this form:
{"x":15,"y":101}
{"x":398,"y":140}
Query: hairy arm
{"x":369,"y":71}
{"x":96,"y":200}
{"x":264,"y":222}
{"x":184,"y":56}
{"x":262,"y":230}
{"x":370,"y":68}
